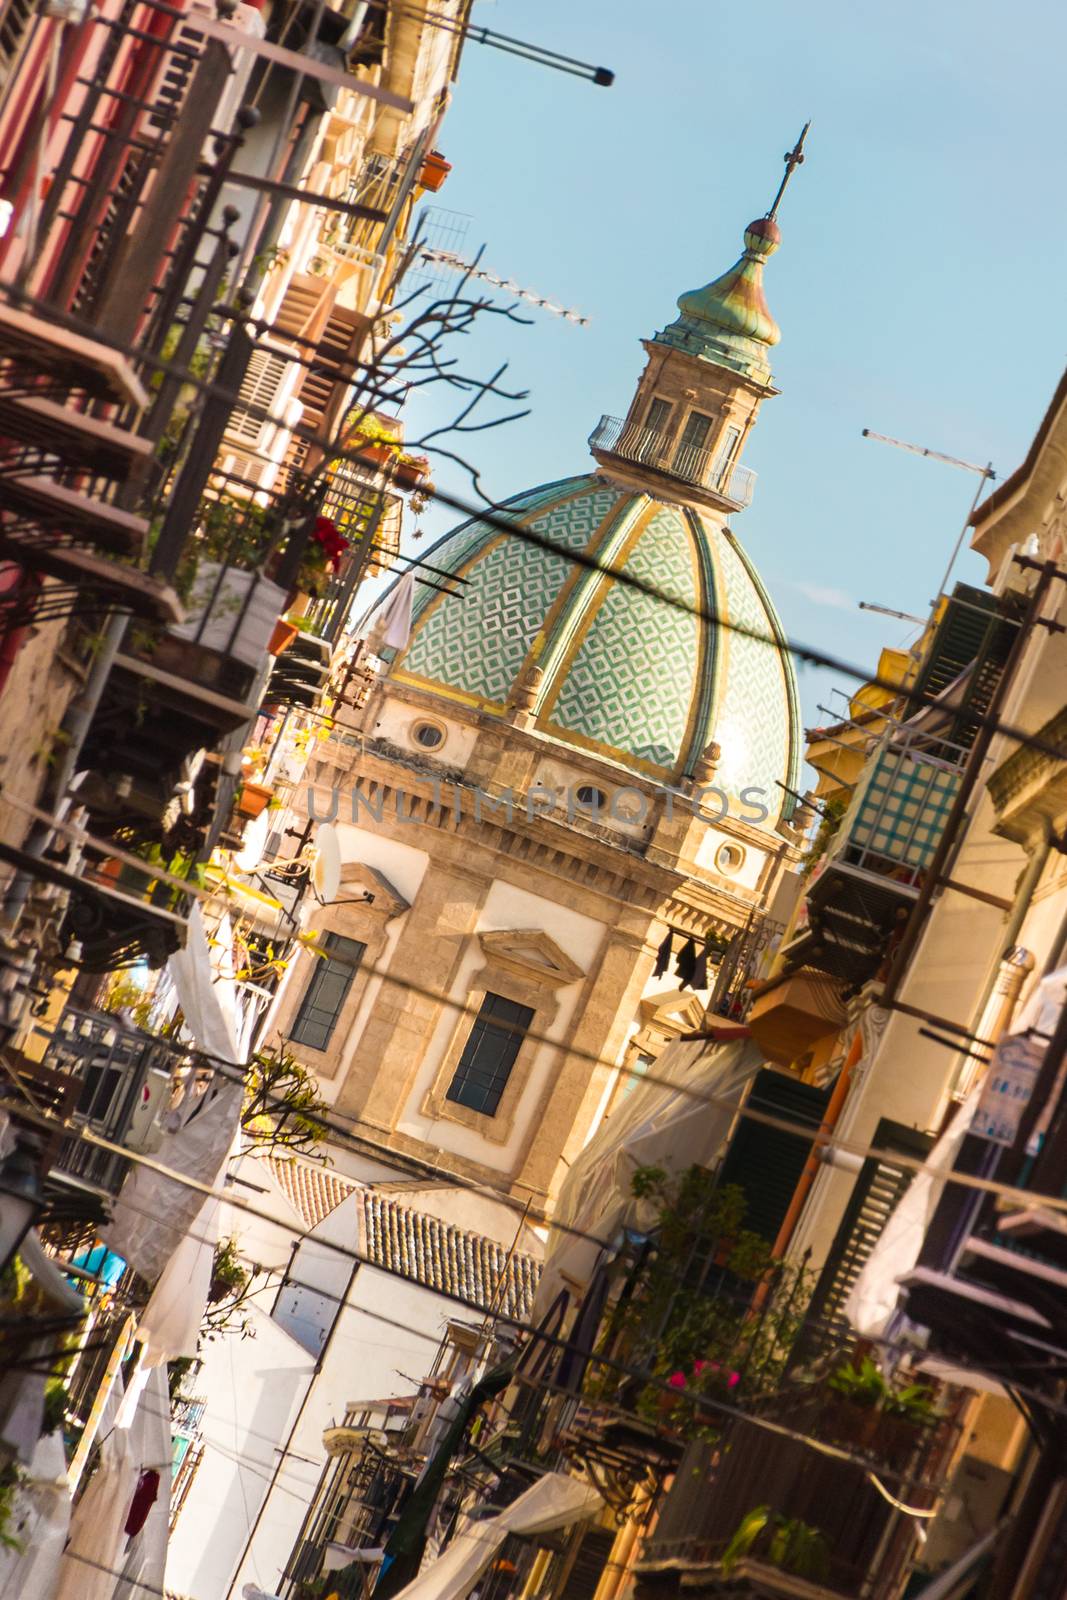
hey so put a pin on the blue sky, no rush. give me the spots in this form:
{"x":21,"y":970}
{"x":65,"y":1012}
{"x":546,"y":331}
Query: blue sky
{"x":918,"y":287}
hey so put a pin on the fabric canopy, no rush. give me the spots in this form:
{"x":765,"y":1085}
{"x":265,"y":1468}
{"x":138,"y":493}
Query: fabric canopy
{"x":554,"y":1501}
{"x":668,"y":1123}
{"x":153,"y":1212}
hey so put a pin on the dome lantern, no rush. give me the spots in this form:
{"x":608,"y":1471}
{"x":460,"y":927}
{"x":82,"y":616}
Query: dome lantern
{"x":708,"y":372}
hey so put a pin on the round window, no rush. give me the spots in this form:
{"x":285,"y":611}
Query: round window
{"x":428,"y":735}
{"x":729,"y":858}
{"x":589,"y":796}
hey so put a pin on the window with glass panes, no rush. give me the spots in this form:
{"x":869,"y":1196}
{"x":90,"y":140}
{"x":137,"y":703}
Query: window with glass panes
{"x":694,"y":435}
{"x":725,"y":459}
{"x":489,"y":1054}
{"x":659,"y":414}
{"x":327,"y":991}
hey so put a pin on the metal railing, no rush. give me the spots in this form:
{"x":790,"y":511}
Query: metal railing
{"x":708,"y":468}
{"x":112,"y":1062}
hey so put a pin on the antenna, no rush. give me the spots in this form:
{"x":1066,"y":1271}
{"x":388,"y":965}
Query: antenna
{"x":986,"y":474}
{"x":887,"y":611}
{"x":456,"y":263}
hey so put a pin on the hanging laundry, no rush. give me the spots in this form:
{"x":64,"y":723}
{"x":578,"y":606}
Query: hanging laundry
{"x":663,"y":956}
{"x":686,"y":964}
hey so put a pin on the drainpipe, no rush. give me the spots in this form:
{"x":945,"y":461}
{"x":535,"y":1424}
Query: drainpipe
{"x":831,"y":1117}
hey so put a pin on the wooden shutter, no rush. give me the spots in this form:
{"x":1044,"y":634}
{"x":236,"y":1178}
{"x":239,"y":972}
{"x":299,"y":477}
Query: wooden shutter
{"x":878,"y":1190}
{"x":766,"y":1162}
{"x":587,"y":1568}
{"x":16,"y":18}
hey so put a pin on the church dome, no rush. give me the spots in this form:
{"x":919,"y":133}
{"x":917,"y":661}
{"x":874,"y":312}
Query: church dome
{"x":623,"y":675}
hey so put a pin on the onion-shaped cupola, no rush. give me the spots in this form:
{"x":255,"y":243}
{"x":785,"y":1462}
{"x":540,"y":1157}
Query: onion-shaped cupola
{"x":708,"y":372}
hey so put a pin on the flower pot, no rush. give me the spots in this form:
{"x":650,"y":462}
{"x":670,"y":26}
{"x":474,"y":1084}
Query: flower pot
{"x":435,"y":170}
{"x":409,"y":474}
{"x":253,"y":799}
{"x":374,"y":454}
{"x":282,"y":637}
{"x":231,"y":611}
{"x":851,"y":1424}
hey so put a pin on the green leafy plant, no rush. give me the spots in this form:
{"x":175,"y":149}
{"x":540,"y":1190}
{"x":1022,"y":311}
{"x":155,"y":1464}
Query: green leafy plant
{"x":789,"y":1543}
{"x":283,"y":1110}
{"x":914,"y":1403}
{"x":9,"y":1485}
{"x":228,"y":1277}
{"x":861,"y":1383}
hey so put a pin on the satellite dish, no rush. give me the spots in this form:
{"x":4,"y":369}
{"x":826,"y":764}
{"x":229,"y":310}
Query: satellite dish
{"x":326,"y":868}
{"x":253,"y":843}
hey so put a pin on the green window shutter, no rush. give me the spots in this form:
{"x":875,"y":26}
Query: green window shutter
{"x":766,"y":1162}
{"x":878,"y":1190}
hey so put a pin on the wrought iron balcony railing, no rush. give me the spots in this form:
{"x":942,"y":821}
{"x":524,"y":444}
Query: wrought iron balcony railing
{"x":119,"y":1076}
{"x":707,"y":469}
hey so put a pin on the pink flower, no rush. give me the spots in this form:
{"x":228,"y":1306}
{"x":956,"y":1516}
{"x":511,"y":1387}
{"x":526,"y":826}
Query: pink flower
{"x":677,"y":1380}
{"x":698,"y":1367}
{"x":733,"y":1380}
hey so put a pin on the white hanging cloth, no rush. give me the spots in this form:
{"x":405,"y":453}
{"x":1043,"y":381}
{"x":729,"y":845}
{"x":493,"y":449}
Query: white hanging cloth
{"x":153,"y":1213}
{"x":388,"y":626}
{"x":170,"y":1326}
{"x":203,"y":980}
{"x":97,"y":1535}
{"x":146,"y":1558}
{"x":667,"y":1123}
{"x":554,"y":1501}
{"x":40,"y":1523}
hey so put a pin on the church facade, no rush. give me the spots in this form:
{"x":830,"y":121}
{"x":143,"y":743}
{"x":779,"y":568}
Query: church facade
{"x":568,"y":793}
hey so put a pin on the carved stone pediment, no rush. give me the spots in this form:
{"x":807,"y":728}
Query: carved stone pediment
{"x":672,"y":1009}
{"x":357,"y":877}
{"x":531,"y":955}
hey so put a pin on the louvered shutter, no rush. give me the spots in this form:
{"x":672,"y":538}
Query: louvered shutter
{"x":16,"y":18}
{"x":878,"y":1190}
{"x":587,"y":1568}
{"x":767,"y":1162}
{"x":268,"y":384}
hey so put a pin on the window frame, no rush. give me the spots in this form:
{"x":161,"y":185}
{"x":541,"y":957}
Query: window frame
{"x":319,"y":975}
{"x":485,"y":1097}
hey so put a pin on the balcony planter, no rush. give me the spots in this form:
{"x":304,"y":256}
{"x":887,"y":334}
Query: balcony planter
{"x":410,"y":471}
{"x":282,"y":637}
{"x":231,"y":611}
{"x":253,"y":799}
{"x":374,"y":453}
{"x":435,"y":170}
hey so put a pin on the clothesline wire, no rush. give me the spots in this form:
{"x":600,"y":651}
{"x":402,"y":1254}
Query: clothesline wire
{"x":359,"y":1258}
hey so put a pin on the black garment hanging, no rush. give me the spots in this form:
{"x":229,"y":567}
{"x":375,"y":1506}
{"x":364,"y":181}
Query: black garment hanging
{"x":699,"y":979}
{"x":663,"y":956}
{"x":686,"y":964}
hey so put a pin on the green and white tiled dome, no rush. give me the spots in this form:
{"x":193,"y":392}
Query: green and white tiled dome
{"x":642,"y":683}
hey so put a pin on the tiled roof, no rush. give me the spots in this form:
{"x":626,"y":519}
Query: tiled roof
{"x":437,"y":1254}
{"x":313,"y":1191}
{"x":446,"y":1258}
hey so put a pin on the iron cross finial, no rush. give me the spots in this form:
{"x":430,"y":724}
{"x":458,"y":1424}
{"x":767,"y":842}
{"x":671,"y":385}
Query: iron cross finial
{"x":793,"y":159}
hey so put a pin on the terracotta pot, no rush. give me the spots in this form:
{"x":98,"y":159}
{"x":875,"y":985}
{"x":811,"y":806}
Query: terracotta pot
{"x":282,"y":637}
{"x":374,"y":454}
{"x":435,"y":170}
{"x":851,"y":1424}
{"x":409,"y":474}
{"x":253,"y":799}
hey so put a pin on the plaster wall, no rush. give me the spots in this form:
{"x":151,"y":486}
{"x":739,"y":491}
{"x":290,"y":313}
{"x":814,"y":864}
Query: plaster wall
{"x":908,"y":1075}
{"x":398,"y":718}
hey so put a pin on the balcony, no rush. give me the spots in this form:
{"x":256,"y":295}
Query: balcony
{"x":790,"y":1014}
{"x":863,"y":890}
{"x":718,"y":482}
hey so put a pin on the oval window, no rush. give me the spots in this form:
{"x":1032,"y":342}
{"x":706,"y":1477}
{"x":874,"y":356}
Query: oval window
{"x":428,"y":735}
{"x":729,"y":858}
{"x":589,"y":796}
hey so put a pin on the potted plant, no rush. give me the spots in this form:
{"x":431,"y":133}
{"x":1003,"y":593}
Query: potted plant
{"x":410,"y":471}
{"x":252,"y":799}
{"x":858,"y":1390}
{"x":282,"y":637}
{"x":374,"y":440}
{"x":228,"y":1277}
{"x":435,"y":170}
{"x":788,"y":1543}
{"x":906,"y":1412}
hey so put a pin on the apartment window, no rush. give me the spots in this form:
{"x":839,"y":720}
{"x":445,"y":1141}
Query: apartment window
{"x":489,"y":1054}
{"x":327,"y":991}
{"x":659,"y":415}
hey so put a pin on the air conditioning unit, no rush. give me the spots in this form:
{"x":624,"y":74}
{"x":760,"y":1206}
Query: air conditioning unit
{"x":144,"y":1132}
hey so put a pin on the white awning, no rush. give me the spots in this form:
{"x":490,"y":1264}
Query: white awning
{"x":554,"y":1501}
{"x":679,"y":1116}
